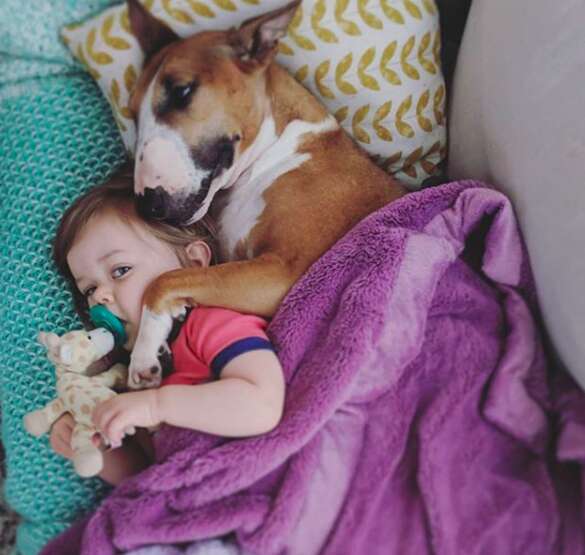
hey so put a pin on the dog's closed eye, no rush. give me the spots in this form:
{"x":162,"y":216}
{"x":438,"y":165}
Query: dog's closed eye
{"x":177,"y":96}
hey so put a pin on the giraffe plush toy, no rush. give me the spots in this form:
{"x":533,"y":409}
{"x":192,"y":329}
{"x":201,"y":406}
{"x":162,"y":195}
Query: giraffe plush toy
{"x":78,"y":393}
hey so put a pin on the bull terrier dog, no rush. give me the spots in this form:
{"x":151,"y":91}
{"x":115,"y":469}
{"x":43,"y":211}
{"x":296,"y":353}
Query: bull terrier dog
{"x":222,"y":128}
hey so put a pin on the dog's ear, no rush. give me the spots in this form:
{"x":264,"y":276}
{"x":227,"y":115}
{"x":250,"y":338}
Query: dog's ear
{"x":257,"y":38}
{"x":151,"y":33}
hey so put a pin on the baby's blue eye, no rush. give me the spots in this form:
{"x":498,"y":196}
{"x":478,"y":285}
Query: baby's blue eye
{"x":120,"y":271}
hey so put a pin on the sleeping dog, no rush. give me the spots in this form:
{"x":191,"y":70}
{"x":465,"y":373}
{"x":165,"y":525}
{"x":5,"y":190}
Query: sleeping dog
{"x":222,"y":128}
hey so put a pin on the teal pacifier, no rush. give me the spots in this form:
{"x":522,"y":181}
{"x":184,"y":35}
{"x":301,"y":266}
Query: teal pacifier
{"x":101,"y":317}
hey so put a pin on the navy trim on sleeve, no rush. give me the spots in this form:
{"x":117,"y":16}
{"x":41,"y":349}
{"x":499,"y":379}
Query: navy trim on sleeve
{"x":235,"y":349}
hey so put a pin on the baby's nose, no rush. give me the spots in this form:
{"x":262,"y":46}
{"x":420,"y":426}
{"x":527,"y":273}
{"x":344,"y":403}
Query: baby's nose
{"x":104,"y":295}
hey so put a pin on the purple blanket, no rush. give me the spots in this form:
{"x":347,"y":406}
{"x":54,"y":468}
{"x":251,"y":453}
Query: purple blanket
{"x":421,"y":416}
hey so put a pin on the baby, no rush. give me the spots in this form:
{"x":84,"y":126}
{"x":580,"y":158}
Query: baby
{"x":226,"y":379}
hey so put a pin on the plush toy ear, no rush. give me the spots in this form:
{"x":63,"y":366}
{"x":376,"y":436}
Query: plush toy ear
{"x":66,"y":353}
{"x":257,"y":38}
{"x":49,"y":340}
{"x":151,"y":33}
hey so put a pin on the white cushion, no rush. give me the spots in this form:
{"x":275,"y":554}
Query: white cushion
{"x":518,"y":120}
{"x":375,"y":66}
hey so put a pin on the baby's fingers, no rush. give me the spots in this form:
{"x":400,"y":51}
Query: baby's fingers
{"x":112,"y":424}
{"x":116,"y":429}
{"x":103,"y":414}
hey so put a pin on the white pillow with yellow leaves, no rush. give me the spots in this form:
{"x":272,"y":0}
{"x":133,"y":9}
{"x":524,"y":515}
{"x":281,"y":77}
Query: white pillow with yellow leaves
{"x":375,"y":65}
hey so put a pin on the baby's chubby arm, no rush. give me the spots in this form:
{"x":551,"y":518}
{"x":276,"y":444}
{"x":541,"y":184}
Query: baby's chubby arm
{"x":248,"y":400}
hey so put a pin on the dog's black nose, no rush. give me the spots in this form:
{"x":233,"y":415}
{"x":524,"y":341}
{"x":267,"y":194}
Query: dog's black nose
{"x":153,"y":204}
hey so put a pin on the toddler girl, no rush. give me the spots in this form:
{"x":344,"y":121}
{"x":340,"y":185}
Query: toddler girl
{"x":226,"y":379}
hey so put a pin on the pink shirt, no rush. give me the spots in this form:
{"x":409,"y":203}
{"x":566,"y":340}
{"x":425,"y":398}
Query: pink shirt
{"x":209,"y":339}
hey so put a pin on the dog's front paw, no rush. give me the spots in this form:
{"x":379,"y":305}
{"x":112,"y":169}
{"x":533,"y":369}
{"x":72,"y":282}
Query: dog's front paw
{"x":144,"y":372}
{"x":146,"y":369}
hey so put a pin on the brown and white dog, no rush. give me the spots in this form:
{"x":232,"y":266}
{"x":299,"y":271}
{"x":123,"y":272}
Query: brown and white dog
{"x":223,"y":128}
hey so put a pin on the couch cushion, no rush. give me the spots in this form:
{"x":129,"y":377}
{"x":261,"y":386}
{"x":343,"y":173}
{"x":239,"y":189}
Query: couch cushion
{"x":517,"y":120}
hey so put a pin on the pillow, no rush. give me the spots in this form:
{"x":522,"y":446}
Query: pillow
{"x":517,"y":120}
{"x":57,"y":138}
{"x":376,"y":67}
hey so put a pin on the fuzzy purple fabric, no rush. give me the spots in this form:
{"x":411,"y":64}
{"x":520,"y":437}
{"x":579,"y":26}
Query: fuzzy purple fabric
{"x":420,"y":416}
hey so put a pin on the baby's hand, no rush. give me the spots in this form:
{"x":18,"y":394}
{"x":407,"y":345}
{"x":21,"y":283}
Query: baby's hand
{"x":121,"y":414}
{"x":60,"y":438}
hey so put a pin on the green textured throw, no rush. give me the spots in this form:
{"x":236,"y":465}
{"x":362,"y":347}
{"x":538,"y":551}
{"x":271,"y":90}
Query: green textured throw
{"x":57,"y":138}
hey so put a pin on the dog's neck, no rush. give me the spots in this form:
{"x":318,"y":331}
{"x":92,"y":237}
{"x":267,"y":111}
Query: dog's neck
{"x":290,"y":115}
{"x":287,"y":111}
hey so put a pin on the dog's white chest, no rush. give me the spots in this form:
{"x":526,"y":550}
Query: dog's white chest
{"x":244,"y":204}
{"x":241,"y":212}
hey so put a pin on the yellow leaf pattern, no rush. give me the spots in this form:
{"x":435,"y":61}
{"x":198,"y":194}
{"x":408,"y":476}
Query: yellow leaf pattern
{"x":438,"y":107}
{"x":369,"y":18}
{"x":390,"y":75}
{"x":302,"y":73}
{"x":430,"y":6}
{"x":365,"y":79}
{"x":375,"y":64}
{"x":404,"y":128}
{"x":101,"y":58}
{"x":341,"y":114}
{"x":392,"y":13}
{"x":130,"y":77}
{"x":300,"y":40}
{"x":408,"y":166}
{"x":199,"y":8}
{"x":181,"y":15}
{"x":115,"y":92}
{"x":390,"y":163}
{"x":345,"y":25}
{"x":81,"y":57}
{"x":412,"y":9}
{"x":125,"y":21}
{"x":318,"y":14}
{"x":115,"y":42}
{"x":425,"y":123}
{"x":358,"y":131}
{"x":285,"y":49}
{"x":408,"y":68}
{"x":226,"y":5}
{"x":424,"y":44}
{"x":429,"y":167}
{"x":320,"y":73}
{"x":382,"y":132}
{"x":344,"y":86}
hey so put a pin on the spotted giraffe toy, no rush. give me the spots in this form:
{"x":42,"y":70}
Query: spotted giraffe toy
{"x":77,"y":393}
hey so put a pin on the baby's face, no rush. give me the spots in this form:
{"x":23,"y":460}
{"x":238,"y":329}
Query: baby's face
{"x":113,"y":262}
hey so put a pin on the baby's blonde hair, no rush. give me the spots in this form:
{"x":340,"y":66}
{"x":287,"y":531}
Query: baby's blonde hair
{"x":117,"y":195}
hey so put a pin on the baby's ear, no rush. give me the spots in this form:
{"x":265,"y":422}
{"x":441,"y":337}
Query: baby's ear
{"x":198,"y":253}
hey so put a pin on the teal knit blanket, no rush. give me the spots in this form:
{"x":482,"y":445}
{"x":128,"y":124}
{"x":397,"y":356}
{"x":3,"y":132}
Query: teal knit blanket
{"x":57,"y":138}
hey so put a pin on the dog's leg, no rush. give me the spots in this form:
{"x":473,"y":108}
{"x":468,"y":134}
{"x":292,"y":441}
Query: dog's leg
{"x":145,"y":370}
{"x":254,"y":286}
